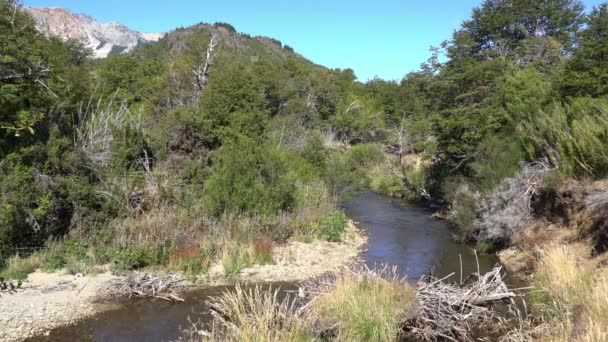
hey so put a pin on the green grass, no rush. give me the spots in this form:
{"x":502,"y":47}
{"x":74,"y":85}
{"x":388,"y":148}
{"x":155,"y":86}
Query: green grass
{"x":366,"y":307}
{"x":19,"y":268}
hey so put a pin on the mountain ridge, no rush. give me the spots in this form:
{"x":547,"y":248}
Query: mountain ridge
{"x":104,"y":39}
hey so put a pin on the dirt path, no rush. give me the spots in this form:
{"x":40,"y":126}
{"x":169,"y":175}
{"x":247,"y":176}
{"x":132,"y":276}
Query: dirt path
{"x":51,"y":300}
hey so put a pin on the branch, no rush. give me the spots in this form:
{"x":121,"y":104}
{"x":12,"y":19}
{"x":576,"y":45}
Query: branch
{"x":201,"y":73}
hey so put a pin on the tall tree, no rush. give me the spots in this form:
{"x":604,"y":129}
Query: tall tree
{"x":586,"y":73}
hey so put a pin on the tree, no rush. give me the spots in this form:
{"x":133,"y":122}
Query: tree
{"x":35,"y":73}
{"x":586,"y":73}
{"x":24,"y":70}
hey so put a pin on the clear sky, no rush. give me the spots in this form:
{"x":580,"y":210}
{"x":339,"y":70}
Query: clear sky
{"x":384,"y":38}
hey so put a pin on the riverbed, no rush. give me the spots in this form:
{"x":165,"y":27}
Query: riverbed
{"x":400,"y":234}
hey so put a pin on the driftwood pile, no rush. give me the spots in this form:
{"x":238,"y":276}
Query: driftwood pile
{"x":442,"y":311}
{"x":148,"y":285}
{"x":448,"y":311}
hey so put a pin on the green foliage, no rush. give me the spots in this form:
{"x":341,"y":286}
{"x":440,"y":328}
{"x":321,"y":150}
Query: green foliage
{"x":332,"y":227}
{"x":386,"y":185}
{"x":464,"y":206}
{"x":364,"y":156}
{"x":586,"y":73}
{"x":314,"y":151}
{"x":249,"y":178}
{"x":135,"y":257}
{"x":499,"y":158}
{"x":573,"y":136}
{"x":18,"y":268}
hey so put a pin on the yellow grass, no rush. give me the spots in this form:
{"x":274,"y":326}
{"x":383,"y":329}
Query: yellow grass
{"x":575,"y":300}
{"x":366,"y":307}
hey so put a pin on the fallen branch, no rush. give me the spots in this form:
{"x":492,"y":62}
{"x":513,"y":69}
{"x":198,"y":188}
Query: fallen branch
{"x":451,"y":312}
{"x":147,"y":285}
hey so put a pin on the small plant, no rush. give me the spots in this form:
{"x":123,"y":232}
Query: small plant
{"x":191,"y":260}
{"x":304,"y":238}
{"x":332,"y":226}
{"x":262,"y":252}
{"x":137,"y":257}
{"x":235,"y":258}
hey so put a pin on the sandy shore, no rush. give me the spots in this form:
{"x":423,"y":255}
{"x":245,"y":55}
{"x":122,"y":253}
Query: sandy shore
{"x":50,"y":300}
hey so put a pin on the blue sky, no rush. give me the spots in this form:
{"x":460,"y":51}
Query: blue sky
{"x":384,"y":38}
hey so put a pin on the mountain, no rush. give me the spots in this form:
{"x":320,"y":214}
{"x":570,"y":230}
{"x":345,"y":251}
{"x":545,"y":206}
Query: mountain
{"x":104,"y":39}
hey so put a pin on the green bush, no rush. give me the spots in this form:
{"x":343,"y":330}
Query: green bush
{"x":364,"y":156}
{"x":249,"y":178}
{"x":137,"y":257}
{"x":573,"y":136}
{"x":315,"y":152}
{"x":332,"y":227}
{"x":386,"y":185}
{"x":464,"y":206}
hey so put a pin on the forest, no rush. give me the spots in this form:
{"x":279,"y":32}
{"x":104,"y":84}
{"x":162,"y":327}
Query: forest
{"x":213,"y":146}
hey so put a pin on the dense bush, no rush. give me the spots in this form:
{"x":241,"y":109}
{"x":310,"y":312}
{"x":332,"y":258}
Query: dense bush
{"x":248,"y":178}
{"x":364,"y":156}
{"x":314,"y":151}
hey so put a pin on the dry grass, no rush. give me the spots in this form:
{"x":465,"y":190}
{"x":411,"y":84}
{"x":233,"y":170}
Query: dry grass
{"x":365,"y":305}
{"x":572,"y":297}
{"x":159,"y":226}
{"x":254,"y":315}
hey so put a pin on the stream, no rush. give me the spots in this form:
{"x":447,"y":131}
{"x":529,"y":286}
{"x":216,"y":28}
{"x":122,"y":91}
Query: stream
{"x":400,"y":234}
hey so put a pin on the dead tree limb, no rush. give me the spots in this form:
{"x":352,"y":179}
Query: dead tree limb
{"x":446,"y":311}
{"x":147,"y":285}
{"x":201,"y":72}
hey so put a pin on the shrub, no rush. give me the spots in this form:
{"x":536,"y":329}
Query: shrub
{"x":572,"y":135}
{"x":249,"y":178}
{"x":364,"y":156}
{"x":386,"y":185}
{"x":463,"y":207}
{"x":191,"y":260}
{"x":235,"y":258}
{"x":332,"y":226}
{"x":258,"y":315}
{"x":315,"y":152}
{"x":136,"y":257}
{"x":262,"y":251}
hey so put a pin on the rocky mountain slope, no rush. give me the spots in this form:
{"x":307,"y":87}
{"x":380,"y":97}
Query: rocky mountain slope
{"x":104,"y":39}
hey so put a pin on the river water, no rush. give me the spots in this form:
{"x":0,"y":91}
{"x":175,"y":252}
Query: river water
{"x":400,"y":234}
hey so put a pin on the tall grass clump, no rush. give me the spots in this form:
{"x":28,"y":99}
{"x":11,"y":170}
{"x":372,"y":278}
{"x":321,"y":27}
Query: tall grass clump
{"x":572,"y":298}
{"x":256,"y":315}
{"x":18,"y":268}
{"x":562,"y":283}
{"x":366,"y":306}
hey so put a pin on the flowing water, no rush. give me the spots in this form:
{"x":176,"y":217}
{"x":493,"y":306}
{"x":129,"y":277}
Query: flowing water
{"x":400,"y":234}
{"x":405,"y":235}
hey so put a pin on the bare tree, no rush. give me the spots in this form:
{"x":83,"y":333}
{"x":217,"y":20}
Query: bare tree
{"x":201,"y":73}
